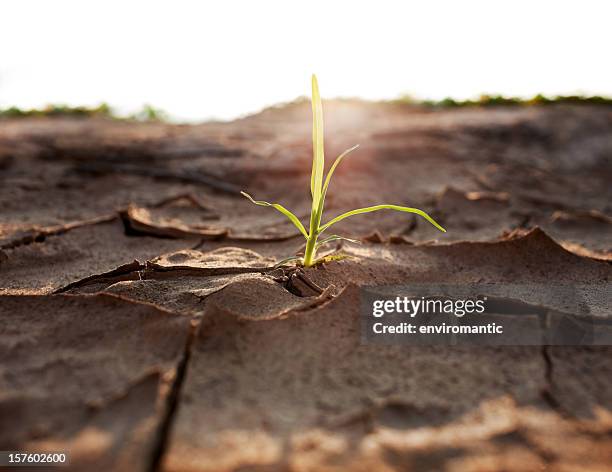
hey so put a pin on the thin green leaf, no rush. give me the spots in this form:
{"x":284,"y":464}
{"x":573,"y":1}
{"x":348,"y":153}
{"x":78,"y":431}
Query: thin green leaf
{"x":288,"y":259}
{"x":318,"y":158}
{"x":333,"y":167}
{"x":328,"y":179}
{"x":294,"y":219}
{"x":335,"y":237}
{"x":381,"y":207}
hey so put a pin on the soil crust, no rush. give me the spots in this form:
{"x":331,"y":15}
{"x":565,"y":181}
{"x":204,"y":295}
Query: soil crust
{"x":146,"y":327}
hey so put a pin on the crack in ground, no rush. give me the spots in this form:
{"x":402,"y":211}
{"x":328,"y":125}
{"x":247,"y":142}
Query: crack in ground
{"x":162,"y":438}
{"x":39,"y":235}
{"x":547,"y":392}
{"x":130,"y":271}
{"x":297,"y":282}
{"x":148,"y":271}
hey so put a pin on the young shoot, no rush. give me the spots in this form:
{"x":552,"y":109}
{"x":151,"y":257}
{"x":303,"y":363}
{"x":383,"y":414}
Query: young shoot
{"x":318,"y":191}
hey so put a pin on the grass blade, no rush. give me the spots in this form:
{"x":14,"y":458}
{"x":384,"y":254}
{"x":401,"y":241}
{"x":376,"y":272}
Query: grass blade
{"x":285,"y":261}
{"x":294,"y":219}
{"x":381,"y":207}
{"x":329,"y":175}
{"x":333,"y":167}
{"x":335,"y":237}
{"x":318,"y":157}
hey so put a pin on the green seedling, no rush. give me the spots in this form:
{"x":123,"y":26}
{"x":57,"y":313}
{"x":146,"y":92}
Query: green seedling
{"x":318,"y":190}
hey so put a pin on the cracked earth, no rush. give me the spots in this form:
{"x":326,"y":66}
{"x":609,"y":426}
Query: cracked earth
{"x":145,"y":327}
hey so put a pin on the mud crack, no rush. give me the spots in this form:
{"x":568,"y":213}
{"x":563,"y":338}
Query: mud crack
{"x":547,"y":393}
{"x":162,"y":438}
{"x":297,"y":282}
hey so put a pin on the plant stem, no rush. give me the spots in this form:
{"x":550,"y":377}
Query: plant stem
{"x":309,"y":253}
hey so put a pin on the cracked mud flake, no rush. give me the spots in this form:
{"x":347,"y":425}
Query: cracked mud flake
{"x":43,"y":267}
{"x":12,"y":236}
{"x":51,"y":206}
{"x":185,"y":295}
{"x":189,"y":218}
{"x":248,"y":294}
{"x":150,"y":221}
{"x":519,"y":258}
{"x":261,"y":297}
{"x":87,"y":374}
{"x":185,"y":281}
{"x":219,"y":261}
{"x":522,"y":255}
{"x":474,"y":216}
{"x":316,"y":397}
{"x":586,"y":233}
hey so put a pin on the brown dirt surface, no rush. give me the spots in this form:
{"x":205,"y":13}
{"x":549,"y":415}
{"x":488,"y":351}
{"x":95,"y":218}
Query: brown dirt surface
{"x":145,"y":326}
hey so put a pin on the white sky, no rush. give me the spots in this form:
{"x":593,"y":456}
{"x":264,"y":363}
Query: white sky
{"x":224,"y":58}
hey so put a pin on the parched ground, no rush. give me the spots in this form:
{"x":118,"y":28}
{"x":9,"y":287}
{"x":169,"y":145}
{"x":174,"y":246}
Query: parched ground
{"x":143,"y":326}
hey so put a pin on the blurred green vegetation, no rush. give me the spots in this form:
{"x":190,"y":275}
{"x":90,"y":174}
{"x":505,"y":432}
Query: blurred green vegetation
{"x":147,"y":113}
{"x":102,"y":110}
{"x":500,"y":100}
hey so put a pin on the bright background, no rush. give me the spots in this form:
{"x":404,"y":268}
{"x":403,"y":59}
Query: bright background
{"x":222,"y":59}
